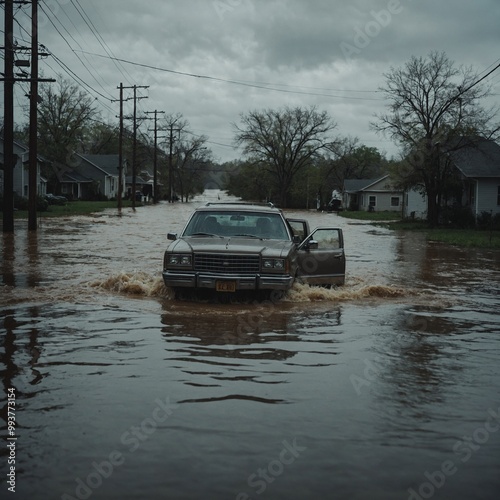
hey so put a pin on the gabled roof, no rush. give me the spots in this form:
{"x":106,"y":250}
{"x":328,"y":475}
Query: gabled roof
{"x":107,"y":163}
{"x":480,"y":160}
{"x":74,"y":177}
{"x":356,"y":185}
{"x":138,"y":180}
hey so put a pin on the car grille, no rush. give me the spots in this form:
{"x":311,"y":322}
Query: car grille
{"x":227,"y":264}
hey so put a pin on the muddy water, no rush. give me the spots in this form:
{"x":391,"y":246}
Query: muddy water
{"x":386,"y":388}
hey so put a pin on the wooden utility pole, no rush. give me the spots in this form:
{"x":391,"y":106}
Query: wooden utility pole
{"x":171,"y":163}
{"x":33,"y":140}
{"x":155,"y":155}
{"x":120,"y":152}
{"x":134,"y":145}
{"x":8,"y":121}
{"x":8,"y":78}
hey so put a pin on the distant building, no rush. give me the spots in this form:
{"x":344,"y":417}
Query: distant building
{"x":21,"y":171}
{"x":92,"y":176}
{"x":372,"y":195}
{"x":478,"y":168}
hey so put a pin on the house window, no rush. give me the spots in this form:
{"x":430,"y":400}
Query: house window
{"x":372,"y":201}
{"x":394,"y":201}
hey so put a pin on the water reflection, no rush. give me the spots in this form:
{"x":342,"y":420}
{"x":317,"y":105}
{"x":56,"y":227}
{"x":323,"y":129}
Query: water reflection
{"x":21,"y":350}
{"x":439,"y":267}
{"x":8,"y":256}
{"x":20,"y":263}
{"x":90,"y":361}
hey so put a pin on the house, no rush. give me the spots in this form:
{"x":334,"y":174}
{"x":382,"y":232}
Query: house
{"x":143,"y":184}
{"x":21,"y":171}
{"x":76,"y":186}
{"x":91,"y":176}
{"x":478,"y":169}
{"x":415,"y":204}
{"x":372,"y":194}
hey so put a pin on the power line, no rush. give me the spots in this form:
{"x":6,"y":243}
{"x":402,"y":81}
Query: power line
{"x":88,"y":21}
{"x":73,"y":50}
{"x":233,"y":82}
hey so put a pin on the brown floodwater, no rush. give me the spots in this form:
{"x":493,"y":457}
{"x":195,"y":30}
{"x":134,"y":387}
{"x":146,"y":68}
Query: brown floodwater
{"x":386,"y":388}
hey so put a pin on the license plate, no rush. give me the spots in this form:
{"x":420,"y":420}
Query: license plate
{"x":225,"y":286}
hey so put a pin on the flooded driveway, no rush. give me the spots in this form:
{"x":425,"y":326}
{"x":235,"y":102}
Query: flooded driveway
{"x":388,"y":388}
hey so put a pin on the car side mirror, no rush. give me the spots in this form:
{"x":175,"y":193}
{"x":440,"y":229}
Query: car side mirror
{"x":312,"y":245}
{"x":297,"y":239}
{"x":172,"y":236}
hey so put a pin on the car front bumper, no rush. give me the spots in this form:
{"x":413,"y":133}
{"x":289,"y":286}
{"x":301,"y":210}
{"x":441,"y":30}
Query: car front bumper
{"x":193,"y":279}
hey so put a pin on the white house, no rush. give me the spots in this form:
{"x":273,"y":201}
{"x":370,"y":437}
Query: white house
{"x":415,"y":205}
{"x":21,"y":171}
{"x":478,"y":168}
{"x":372,"y":194}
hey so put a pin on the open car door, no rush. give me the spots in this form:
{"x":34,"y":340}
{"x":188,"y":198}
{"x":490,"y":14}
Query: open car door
{"x":321,"y":257}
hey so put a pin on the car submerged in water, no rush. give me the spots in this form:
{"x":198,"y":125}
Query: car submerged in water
{"x":232,"y":247}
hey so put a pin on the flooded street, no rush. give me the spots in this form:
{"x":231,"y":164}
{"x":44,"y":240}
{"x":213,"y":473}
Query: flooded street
{"x":387,"y":388}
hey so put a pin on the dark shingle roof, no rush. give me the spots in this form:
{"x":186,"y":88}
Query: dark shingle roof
{"x":108,"y":163}
{"x":481,"y":160}
{"x":74,"y":177}
{"x":354,"y":185}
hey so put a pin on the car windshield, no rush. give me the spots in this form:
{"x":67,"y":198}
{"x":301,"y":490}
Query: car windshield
{"x":237,"y":223}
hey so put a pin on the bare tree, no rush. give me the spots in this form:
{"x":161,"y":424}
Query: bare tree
{"x":191,"y":166}
{"x":65,"y":114}
{"x":352,"y":160}
{"x":433,"y":110}
{"x":284,"y":142}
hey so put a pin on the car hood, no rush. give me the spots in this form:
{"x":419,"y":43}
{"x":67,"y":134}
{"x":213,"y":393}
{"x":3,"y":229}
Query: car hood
{"x":239,"y":245}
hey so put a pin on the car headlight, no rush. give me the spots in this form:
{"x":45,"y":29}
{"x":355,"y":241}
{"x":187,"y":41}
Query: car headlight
{"x":179,"y":260}
{"x":278,"y":264}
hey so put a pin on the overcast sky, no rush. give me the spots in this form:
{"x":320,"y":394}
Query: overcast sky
{"x":257,"y":54}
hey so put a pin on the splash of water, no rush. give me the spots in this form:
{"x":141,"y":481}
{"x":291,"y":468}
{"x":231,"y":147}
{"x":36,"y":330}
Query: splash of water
{"x":144,"y":284}
{"x":137,"y":283}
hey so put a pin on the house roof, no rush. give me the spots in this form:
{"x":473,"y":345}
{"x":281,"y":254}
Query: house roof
{"x":355,"y":185}
{"x":138,"y":180}
{"x":74,"y":177}
{"x":480,"y":160}
{"x":107,"y":163}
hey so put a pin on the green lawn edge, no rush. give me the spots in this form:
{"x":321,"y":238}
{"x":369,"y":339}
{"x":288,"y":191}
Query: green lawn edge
{"x":472,"y":238}
{"x":74,"y":208}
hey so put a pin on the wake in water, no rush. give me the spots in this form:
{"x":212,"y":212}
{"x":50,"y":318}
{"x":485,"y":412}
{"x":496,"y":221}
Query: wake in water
{"x":138,"y":283}
{"x":143,"y":284}
{"x":348,"y":292}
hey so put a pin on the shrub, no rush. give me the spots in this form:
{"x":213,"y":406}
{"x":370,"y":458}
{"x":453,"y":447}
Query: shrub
{"x":458,"y":217}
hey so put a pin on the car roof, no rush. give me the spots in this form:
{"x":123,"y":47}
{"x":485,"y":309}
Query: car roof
{"x":232,"y":206}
